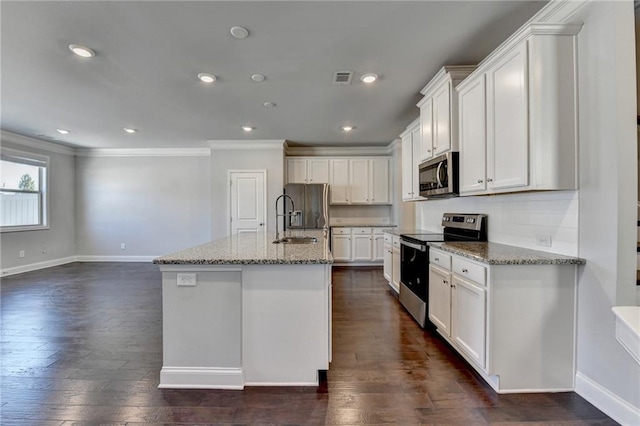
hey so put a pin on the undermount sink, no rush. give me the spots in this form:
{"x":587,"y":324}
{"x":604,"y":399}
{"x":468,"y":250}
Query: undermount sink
{"x":296,"y":240}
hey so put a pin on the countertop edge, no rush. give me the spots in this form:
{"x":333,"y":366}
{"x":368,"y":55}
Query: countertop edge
{"x":552,"y":259}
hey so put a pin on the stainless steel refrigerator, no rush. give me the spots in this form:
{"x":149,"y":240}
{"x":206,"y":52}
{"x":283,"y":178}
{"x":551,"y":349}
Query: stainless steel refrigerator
{"x":310,"y":207}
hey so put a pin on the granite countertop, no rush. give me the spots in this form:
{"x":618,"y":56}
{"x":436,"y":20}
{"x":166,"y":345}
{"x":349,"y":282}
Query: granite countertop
{"x":363,"y":225}
{"x":252,"y":249}
{"x":401,"y":231}
{"x":502,"y":254}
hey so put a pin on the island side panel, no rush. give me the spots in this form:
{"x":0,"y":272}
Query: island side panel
{"x":202,"y":328}
{"x":286,"y":323}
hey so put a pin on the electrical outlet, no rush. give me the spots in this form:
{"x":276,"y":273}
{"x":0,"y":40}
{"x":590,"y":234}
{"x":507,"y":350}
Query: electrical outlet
{"x":21,"y":253}
{"x":543,"y":240}
{"x":123,"y":246}
{"x":44,"y":250}
{"x":187,"y":280}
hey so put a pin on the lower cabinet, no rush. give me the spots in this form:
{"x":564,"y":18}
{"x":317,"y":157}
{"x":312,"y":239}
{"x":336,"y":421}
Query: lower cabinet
{"x":357,"y":245}
{"x":392,"y":261}
{"x":513,"y":323}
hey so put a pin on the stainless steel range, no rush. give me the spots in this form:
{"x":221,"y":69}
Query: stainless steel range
{"x":414,"y":258}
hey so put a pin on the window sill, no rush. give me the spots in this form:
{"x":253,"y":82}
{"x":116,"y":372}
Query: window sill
{"x":23,"y":228}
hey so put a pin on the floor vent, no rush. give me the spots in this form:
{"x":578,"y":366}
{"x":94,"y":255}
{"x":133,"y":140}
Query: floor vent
{"x":342,"y":78}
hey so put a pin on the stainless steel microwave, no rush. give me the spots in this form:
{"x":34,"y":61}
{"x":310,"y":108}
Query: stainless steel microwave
{"x":438,"y":177}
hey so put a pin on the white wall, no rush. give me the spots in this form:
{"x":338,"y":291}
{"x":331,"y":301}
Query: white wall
{"x":515,"y":219}
{"x":155,"y":205}
{"x":271,"y":159}
{"x":59,"y":240}
{"x":608,"y":189}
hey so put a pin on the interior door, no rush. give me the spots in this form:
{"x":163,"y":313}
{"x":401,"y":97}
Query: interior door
{"x":247,"y":211}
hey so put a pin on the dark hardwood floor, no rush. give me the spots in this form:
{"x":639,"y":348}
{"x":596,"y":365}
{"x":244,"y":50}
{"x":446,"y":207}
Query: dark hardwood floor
{"x":82,"y":345}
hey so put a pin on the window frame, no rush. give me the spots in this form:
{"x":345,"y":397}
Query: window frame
{"x":43,"y":192}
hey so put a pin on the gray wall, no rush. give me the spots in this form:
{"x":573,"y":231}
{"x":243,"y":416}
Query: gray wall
{"x":59,"y":240}
{"x":222,"y":160}
{"x":155,"y":205}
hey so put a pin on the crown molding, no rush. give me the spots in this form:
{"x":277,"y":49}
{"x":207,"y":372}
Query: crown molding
{"x":248,"y":144}
{"x":143,"y":152}
{"x":30,"y":142}
{"x":559,"y":11}
{"x":337,"y":151}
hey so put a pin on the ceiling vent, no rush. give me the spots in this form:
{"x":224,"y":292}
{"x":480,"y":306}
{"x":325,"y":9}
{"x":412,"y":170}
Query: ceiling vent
{"x":342,"y":78}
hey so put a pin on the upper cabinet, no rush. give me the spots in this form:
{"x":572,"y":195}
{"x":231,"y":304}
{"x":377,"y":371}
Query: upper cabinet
{"x":412,"y":150}
{"x":360,"y":180}
{"x":439,"y":112}
{"x":307,"y":170}
{"x":517,"y":115}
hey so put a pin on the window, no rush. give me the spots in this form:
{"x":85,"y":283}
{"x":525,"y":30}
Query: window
{"x":23,"y":191}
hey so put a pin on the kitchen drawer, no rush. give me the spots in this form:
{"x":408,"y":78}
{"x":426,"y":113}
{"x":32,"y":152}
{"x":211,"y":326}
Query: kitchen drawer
{"x":440,"y":258}
{"x":395,"y":241}
{"x":388,"y":238}
{"x":469,"y":270}
{"x":378,"y":231}
{"x":341,"y":231}
{"x":361,"y":231}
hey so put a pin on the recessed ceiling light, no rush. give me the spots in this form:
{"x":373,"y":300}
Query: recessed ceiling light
{"x":207,"y":78}
{"x":347,"y":128}
{"x":247,"y":128}
{"x":63,"y":131}
{"x":269,"y":104}
{"x":369,"y":78}
{"x":258,"y":77}
{"x":239,"y":32}
{"x":83,"y":51}
{"x":130,"y":130}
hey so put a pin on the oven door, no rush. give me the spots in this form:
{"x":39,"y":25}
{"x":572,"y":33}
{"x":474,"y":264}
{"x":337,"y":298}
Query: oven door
{"x":414,"y":260}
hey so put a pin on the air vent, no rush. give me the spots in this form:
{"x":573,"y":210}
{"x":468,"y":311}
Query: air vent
{"x":342,"y":78}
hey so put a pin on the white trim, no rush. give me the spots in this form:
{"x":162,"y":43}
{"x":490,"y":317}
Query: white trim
{"x":559,"y":11}
{"x":410,"y":128}
{"x":264,"y":189}
{"x":94,"y":258}
{"x":36,"y":266}
{"x":281,"y":383}
{"x":35,"y":143}
{"x":608,"y":402}
{"x":144,"y":152}
{"x":247,"y":144}
{"x":201,"y":378}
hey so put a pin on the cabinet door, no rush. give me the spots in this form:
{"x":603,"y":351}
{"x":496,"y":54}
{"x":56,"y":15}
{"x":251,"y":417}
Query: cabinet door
{"x":426,"y":130}
{"x":507,"y":119}
{"x":379,"y":181}
{"x":468,"y":321}
{"x":359,"y":181}
{"x":407,"y":167}
{"x":341,"y":247}
{"x":442,"y":119}
{"x":296,"y":170}
{"x":440,"y":299}
{"x":339,"y":181}
{"x":318,"y":170}
{"x":415,"y":136}
{"x":361,"y":247}
{"x":472,"y":136}
{"x":395,"y":276}
{"x":387,"y":267}
{"x":378,"y":248}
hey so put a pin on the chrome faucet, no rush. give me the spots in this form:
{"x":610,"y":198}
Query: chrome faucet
{"x":284,"y":214}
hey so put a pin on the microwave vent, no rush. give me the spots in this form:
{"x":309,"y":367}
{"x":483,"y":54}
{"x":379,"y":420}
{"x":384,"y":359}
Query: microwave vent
{"x":342,"y":78}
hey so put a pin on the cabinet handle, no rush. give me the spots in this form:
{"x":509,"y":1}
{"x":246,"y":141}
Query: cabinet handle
{"x":479,"y":180}
{"x":437,"y":259}
{"x":489,"y":180}
{"x":465,"y":270}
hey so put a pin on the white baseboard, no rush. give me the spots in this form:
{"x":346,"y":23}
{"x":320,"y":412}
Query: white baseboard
{"x":115,"y":258}
{"x":201,"y":378}
{"x":63,"y":261}
{"x":608,"y":402}
{"x":35,"y":266}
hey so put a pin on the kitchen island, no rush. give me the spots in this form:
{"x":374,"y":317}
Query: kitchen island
{"x":244,"y":311}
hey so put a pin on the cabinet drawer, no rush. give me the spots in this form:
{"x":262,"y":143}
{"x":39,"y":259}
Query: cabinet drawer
{"x":469,"y":270}
{"x":341,"y":231}
{"x":378,"y":231}
{"x":440,"y":258}
{"x":395,"y":241}
{"x":361,"y":231}
{"x":388,"y":238}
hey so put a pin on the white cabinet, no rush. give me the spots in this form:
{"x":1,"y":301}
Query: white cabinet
{"x":360,"y":180}
{"x":362,"y":245}
{"x":439,"y":112}
{"x":515,"y":324}
{"x":308,"y":170}
{"x":395,"y":261}
{"x":387,"y":269}
{"x":517,"y":115}
{"x":411,"y":148}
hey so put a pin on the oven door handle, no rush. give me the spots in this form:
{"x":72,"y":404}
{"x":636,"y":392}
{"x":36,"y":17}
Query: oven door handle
{"x":412,"y":245}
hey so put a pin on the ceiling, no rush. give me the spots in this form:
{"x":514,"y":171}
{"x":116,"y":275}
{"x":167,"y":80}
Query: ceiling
{"x":149,"y":53}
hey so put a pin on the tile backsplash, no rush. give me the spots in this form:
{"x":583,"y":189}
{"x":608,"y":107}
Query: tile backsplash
{"x":531,"y":220}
